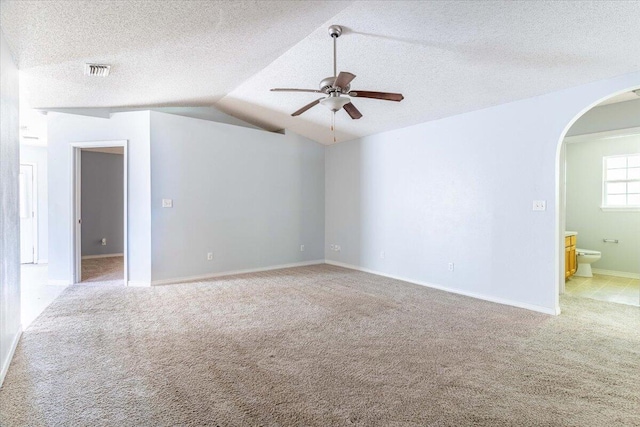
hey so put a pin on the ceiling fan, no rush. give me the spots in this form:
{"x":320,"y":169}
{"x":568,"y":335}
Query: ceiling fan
{"x":338,"y":88}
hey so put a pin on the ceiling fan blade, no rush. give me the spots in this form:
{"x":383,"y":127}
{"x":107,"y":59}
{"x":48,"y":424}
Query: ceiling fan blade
{"x":278,"y":89}
{"x":352,"y":111}
{"x":387,"y":96}
{"x":306,"y":107}
{"x":343,"y":79}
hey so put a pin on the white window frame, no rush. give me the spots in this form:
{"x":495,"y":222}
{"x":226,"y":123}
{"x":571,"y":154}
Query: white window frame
{"x":616,"y":208}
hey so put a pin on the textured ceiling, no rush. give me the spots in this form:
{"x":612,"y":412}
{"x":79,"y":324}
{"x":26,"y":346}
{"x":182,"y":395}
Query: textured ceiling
{"x":445,"y":57}
{"x":163,"y":52}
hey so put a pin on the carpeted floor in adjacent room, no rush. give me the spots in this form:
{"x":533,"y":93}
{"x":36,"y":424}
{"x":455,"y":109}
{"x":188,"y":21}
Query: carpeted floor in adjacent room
{"x":107,"y":271}
{"x":320,"y":346}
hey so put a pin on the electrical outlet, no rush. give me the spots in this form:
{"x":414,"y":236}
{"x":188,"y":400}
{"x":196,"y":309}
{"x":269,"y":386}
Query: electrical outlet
{"x":382,"y":254}
{"x":167,"y":203}
{"x":539,"y":205}
{"x":451,"y":266}
{"x":301,"y":248}
{"x":337,"y":248}
{"x":104,"y":241}
{"x":332,"y":247}
{"x":209,"y":256}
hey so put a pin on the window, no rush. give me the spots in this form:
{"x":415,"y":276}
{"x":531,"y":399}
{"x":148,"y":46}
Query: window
{"x":621,"y":186}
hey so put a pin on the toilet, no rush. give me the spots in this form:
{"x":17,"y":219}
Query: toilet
{"x":585,"y":259}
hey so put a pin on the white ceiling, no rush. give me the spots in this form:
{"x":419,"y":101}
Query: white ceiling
{"x":445,"y":57}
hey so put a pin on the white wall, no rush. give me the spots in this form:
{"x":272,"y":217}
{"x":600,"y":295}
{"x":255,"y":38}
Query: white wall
{"x":584,"y":197}
{"x":9,"y":220}
{"x":63,"y":129}
{"x":251,"y":197}
{"x":622,"y":115}
{"x":460,"y":190}
{"x":38,"y":156}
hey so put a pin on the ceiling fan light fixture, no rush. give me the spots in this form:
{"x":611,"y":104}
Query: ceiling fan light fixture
{"x":335,"y":103}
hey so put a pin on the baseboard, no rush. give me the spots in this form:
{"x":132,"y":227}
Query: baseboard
{"x":43,"y":261}
{"x":616,"y":273}
{"x":12,"y":350}
{"x":101,"y":256}
{"x":233,"y":272}
{"x":545,"y":310}
{"x":138,"y":283}
{"x":58,"y":282}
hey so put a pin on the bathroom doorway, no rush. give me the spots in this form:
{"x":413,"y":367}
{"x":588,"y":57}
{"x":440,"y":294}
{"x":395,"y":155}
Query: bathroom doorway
{"x":601,"y":192}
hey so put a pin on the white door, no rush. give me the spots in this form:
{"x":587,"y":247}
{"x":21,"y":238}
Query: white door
{"x":27,"y":215}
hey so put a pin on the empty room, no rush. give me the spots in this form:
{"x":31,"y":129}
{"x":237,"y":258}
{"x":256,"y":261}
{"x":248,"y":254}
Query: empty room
{"x":319,"y":213}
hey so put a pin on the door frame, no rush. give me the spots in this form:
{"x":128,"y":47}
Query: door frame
{"x":34,"y":203}
{"x":76,"y":205}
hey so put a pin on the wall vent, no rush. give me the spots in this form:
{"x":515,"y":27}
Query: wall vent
{"x":97,"y":70}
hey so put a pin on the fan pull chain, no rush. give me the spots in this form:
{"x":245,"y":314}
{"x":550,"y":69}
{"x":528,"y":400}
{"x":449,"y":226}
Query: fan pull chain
{"x":333,"y":125}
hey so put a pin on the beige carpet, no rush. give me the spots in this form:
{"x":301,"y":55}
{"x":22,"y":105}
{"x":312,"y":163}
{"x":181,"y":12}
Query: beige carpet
{"x":320,"y":346}
{"x":108,"y":270}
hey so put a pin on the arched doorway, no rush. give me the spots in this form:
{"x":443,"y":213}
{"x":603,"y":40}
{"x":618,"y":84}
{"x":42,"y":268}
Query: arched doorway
{"x":561,"y":210}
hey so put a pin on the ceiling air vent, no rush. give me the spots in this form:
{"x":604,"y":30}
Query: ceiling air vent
{"x":97,"y":70}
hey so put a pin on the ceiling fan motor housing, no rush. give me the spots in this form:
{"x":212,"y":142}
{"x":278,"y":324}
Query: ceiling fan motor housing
{"x":326,"y":85}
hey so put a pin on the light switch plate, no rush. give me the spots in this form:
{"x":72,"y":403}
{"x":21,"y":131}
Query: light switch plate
{"x":539,"y":205}
{"x":167,"y":203}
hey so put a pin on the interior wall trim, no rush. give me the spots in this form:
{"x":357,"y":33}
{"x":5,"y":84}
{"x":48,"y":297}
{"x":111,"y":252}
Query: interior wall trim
{"x":138,"y":284}
{"x":555,"y":311}
{"x":616,"y":273}
{"x":7,"y":361}
{"x":178,"y":280}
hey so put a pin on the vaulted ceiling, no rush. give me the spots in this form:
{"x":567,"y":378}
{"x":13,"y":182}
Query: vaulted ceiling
{"x":446,"y":57}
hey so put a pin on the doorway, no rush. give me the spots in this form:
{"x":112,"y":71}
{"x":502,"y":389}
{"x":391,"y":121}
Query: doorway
{"x":99,"y":199}
{"x":28,"y":213}
{"x":599,"y":215}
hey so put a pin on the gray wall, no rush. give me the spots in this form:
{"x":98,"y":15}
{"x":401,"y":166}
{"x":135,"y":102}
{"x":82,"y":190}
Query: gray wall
{"x":62,"y":130}
{"x":9,"y":219}
{"x":622,"y":115}
{"x":251,"y":197}
{"x":584,"y":197}
{"x":102,"y":203}
{"x":38,"y":156}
